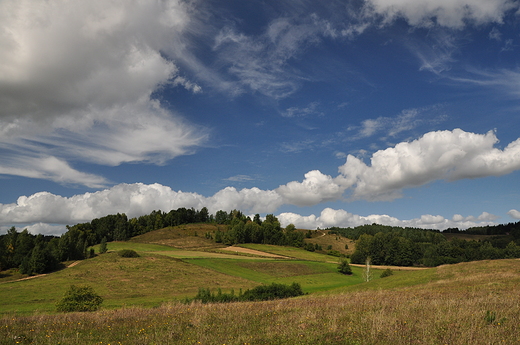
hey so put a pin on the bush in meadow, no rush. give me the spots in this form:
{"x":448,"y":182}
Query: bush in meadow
{"x":79,"y":298}
{"x":128,"y":253}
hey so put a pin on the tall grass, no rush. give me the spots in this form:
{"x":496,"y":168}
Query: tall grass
{"x":361,"y":318}
{"x":453,"y":309}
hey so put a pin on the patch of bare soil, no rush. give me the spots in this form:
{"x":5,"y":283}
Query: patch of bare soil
{"x":253,"y":252}
{"x":40,"y":275}
{"x":395,"y":268}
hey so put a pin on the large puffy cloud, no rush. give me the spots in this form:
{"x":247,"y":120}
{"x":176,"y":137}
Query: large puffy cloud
{"x":449,"y":155}
{"x":315,"y":188}
{"x":134,"y":200}
{"x":76,"y":81}
{"x":514,"y":213}
{"x":448,"y":13}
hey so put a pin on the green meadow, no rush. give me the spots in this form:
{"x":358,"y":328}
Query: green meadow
{"x":467,"y":303}
{"x":164,"y":274}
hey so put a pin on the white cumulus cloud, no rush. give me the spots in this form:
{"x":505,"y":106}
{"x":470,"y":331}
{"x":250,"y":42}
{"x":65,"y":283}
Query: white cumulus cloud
{"x":134,"y":200}
{"x":514,"y":213}
{"x":315,"y":188}
{"x":448,"y":13}
{"x":441,"y":155}
{"x":331,"y":217}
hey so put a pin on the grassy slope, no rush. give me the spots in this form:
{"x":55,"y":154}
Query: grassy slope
{"x":189,"y":236}
{"x":313,"y":276}
{"x":291,"y":252}
{"x":441,"y":305}
{"x":164,"y":273}
{"x":149,"y":280}
{"x":449,"y":307}
{"x":324,"y":238}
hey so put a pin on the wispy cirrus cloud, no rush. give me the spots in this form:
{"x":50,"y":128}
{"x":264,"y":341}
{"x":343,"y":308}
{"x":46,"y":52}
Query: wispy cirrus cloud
{"x":312,"y":109}
{"x":407,"y":120}
{"x":506,"y":81}
{"x":258,"y":62}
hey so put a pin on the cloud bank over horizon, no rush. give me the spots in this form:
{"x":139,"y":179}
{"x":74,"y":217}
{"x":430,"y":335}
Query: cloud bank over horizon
{"x":441,"y":155}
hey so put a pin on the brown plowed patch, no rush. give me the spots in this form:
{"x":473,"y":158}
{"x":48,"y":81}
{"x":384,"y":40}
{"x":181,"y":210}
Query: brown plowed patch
{"x":252,"y":252}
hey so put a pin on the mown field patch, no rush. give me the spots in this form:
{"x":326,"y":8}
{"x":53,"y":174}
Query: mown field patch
{"x":292,"y":252}
{"x":312,"y":276}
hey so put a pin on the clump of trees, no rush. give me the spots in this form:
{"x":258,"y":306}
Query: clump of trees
{"x":32,"y":254}
{"x":259,"y":293}
{"x":395,"y":246}
{"x":35,"y":254}
{"x":242,"y":229}
{"x":79,"y":298}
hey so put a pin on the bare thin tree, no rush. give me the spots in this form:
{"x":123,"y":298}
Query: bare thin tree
{"x":367,"y":274}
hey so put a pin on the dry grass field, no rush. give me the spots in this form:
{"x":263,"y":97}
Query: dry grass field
{"x":469,"y":303}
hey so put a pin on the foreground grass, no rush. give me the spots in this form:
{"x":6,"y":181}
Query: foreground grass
{"x":451,"y":309}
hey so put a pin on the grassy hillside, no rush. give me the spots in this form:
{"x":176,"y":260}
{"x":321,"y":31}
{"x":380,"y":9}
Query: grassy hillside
{"x":188,"y":236}
{"x":469,"y":303}
{"x":149,"y":280}
{"x":325,"y":239}
{"x":164,"y":273}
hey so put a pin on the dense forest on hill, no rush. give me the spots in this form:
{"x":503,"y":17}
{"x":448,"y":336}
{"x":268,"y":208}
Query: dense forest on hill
{"x":35,"y":254}
{"x":388,"y":245}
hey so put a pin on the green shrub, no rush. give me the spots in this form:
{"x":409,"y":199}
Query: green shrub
{"x":128,"y":253}
{"x":310,"y":247}
{"x":273,"y":291}
{"x":79,"y":298}
{"x":259,"y":293}
{"x":386,"y":273}
{"x":344,"y":267}
{"x":334,"y":253}
{"x":103,"y":246}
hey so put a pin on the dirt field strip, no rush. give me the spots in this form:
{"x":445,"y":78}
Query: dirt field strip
{"x":395,"y":268}
{"x":40,"y":275}
{"x":253,"y":252}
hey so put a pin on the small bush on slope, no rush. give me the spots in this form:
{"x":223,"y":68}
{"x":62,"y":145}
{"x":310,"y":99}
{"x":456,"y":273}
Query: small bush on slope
{"x":79,"y":298}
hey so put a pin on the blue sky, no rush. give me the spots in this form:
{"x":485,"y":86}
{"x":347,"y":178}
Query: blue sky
{"x":330,"y":113}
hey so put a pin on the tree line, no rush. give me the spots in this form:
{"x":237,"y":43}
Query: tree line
{"x":385,"y":245}
{"x":395,"y":246}
{"x":35,"y":254}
